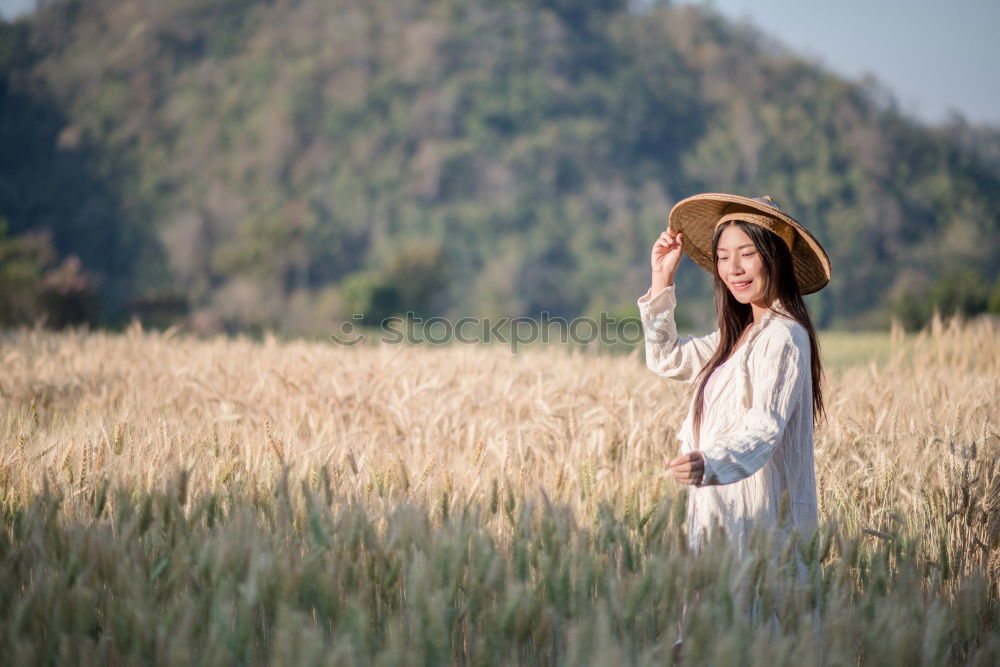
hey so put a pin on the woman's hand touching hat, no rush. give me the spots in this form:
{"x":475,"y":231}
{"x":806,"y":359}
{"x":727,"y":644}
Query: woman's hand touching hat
{"x":664,"y":258}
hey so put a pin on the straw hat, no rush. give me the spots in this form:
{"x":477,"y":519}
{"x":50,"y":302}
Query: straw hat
{"x":697,"y":217}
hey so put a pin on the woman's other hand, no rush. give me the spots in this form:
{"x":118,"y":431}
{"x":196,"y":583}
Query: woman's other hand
{"x":665,"y":257}
{"x":688,"y":468}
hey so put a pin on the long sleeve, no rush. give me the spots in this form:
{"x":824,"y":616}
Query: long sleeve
{"x":667,"y":354}
{"x":780,"y":372}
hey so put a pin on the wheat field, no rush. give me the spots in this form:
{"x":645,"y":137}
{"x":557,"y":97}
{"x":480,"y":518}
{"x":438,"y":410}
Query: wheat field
{"x":168,"y":500}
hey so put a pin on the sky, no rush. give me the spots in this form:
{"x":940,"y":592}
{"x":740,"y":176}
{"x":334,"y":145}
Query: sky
{"x":934,"y":55}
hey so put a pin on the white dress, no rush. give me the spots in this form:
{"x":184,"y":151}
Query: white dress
{"x":756,"y":434}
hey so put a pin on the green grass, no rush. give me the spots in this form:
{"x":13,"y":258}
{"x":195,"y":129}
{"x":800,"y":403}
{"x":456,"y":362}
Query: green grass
{"x":841,"y":349}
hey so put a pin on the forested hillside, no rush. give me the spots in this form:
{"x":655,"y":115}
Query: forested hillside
{"x":283,"y":164}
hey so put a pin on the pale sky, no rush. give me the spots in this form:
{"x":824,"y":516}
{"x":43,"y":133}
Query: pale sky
{"x":934,"y":55}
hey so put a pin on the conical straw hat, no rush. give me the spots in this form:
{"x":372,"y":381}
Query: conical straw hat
{"x":697,"y":217}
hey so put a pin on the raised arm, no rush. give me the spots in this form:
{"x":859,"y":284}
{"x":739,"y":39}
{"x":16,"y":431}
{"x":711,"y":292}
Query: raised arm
{"x":780,"y":374}
{"x":667,"y":354}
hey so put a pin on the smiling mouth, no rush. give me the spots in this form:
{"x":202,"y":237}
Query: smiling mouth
{"x":741,"y":285}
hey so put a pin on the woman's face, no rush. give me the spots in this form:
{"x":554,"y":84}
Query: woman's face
{"x":740,"y":266}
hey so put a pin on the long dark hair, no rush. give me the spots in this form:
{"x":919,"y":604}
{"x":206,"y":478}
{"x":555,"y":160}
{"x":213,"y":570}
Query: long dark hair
{"x":734,"y":316}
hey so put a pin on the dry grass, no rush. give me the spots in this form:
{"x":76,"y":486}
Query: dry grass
{"x":265,"y":502}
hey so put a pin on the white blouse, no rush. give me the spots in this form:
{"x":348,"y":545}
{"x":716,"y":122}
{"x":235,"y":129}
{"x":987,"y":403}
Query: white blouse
{"x":756,"y":434}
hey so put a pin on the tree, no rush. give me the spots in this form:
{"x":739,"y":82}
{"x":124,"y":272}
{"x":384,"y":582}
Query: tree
{"x":34,"y":288}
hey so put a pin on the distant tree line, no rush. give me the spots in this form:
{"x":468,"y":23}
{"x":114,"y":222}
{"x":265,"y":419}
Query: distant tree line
{"x":963,"y":293}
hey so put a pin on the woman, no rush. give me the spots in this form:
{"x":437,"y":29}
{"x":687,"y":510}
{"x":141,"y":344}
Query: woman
{"x":747,"y":441}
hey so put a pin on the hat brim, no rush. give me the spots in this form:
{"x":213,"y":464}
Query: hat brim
{"x":697,"y":216}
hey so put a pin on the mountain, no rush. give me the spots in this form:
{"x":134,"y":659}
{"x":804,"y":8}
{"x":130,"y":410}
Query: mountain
{"x":282,"y":164}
